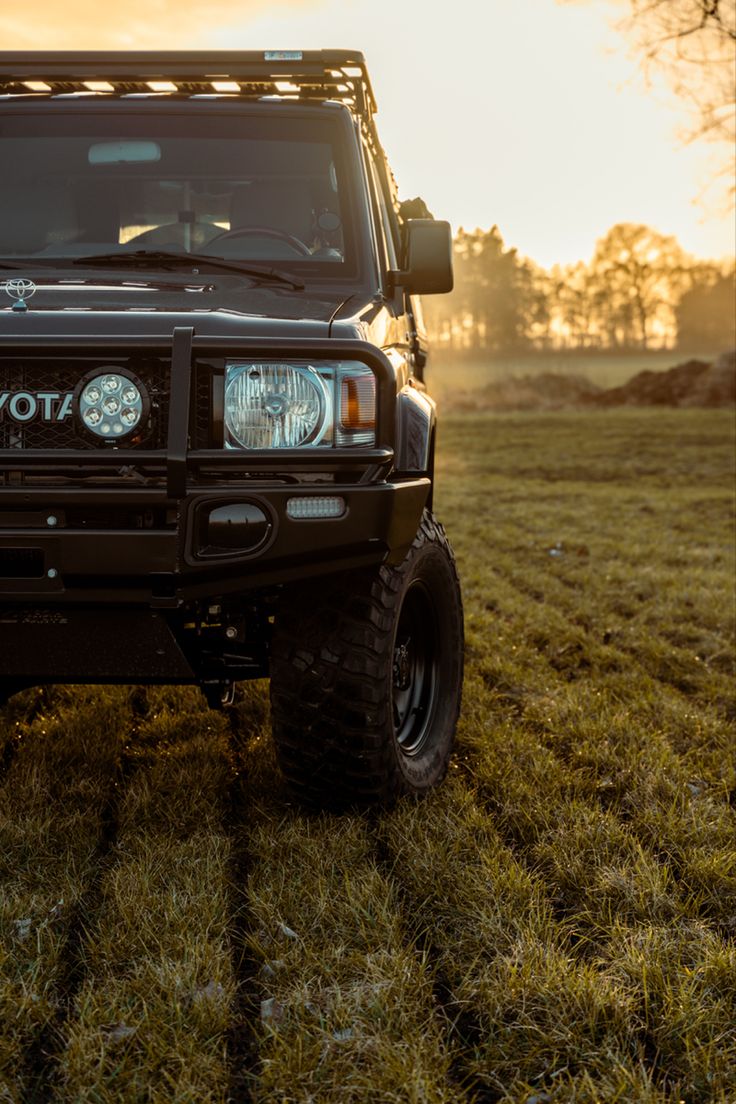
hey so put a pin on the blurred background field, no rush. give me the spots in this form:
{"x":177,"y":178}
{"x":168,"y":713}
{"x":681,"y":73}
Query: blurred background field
{"x":514,"y":335}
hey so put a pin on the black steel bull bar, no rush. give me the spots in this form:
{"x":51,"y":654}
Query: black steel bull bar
{"x":177,"y":460}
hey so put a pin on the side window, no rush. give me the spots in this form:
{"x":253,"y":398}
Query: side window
{"x":385,"y":227}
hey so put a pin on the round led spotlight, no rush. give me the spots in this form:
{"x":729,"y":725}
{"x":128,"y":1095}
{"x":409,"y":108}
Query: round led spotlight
{"x":111,"y":404}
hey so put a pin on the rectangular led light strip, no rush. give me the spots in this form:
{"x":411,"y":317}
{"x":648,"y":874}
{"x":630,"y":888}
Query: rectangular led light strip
{"x":315,"y":507}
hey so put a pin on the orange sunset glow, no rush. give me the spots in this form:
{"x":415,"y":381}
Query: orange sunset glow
{"x":534,"y":116}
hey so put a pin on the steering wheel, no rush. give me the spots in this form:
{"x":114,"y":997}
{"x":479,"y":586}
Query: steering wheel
{"x":263,"y":232}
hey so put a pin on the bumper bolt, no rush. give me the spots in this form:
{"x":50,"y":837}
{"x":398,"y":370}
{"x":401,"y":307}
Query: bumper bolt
{"x":51,"y":520}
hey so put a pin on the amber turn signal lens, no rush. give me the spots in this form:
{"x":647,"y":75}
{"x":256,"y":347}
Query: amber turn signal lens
{"x":358,"y":402}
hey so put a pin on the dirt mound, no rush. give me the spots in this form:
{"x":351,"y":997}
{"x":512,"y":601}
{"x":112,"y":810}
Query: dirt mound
{"x":694,"y":383}
{"x":548,"y":391}
{"x":717,"y":386}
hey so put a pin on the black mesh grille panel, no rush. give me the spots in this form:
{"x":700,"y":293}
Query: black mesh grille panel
{"x":35,"y":412}
{"x":202,"y":404}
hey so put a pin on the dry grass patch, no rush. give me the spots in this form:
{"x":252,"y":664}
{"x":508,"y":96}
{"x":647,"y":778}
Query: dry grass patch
{"x":151,"y":1016}
{"x":681,"y":978}
{"x":527,"y":1013}
{"x":599,"y":731}
{"x":51,"y":823}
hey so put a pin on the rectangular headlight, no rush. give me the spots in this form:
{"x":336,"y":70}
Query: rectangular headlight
{"x":270,"y":404}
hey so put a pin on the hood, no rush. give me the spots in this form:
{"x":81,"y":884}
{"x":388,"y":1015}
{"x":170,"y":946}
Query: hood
{"x":215,"y":305}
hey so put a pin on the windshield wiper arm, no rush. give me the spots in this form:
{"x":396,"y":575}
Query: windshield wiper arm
{"x":164,"y":258}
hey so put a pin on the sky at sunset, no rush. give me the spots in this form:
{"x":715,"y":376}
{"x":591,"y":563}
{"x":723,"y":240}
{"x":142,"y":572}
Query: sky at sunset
{"x":525,"y":113}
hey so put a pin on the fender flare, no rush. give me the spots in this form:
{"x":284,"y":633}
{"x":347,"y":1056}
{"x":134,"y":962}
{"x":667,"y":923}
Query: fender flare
{"x":416,"y":417}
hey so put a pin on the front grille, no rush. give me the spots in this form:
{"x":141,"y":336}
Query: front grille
{"x":45,"y":377}
{"x":201,"y":429}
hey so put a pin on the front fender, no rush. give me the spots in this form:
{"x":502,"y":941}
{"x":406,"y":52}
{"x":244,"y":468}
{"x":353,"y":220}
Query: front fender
{"x":415,"y":422}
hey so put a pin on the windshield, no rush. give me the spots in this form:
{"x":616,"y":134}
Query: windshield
{"x":265,"y":190}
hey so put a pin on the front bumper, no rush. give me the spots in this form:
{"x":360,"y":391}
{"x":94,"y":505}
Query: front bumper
{"x":114,"y":605}
{"x":163,"y":567}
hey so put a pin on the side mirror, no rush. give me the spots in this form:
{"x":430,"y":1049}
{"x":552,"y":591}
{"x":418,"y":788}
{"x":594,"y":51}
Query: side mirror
{"x":428,"y":257}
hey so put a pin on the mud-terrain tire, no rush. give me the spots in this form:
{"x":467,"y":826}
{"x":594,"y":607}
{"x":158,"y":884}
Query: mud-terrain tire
{"x":366,"y":678}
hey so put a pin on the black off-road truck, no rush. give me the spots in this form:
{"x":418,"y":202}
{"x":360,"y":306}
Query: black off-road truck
{"x":216,"y":446}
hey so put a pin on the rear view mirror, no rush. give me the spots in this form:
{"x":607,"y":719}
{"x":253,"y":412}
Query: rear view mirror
{"x":428,"y":257}
{"x":123,"y":153}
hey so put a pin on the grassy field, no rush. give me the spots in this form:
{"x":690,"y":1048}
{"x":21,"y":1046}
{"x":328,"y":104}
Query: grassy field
{"x":555,"y":924}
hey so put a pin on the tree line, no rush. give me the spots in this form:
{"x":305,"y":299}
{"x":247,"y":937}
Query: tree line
{"x":639,"y":291}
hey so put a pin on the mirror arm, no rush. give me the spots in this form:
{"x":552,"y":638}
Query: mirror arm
{"x":397,"y":277}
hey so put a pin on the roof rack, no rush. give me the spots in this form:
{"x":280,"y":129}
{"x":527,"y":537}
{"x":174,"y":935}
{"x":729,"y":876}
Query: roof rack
{"x":310,"y":75}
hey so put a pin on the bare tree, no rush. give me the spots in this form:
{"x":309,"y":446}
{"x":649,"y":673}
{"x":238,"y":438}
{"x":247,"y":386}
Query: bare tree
{"x":640,"y":274}
{"x":694,"y":43}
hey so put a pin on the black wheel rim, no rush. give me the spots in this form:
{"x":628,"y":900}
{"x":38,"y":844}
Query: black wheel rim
{"x":415,"y":675}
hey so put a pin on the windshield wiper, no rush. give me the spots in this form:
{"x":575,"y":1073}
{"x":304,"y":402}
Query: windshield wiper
{"x":162,"y":258}
{"x":30,"y":263}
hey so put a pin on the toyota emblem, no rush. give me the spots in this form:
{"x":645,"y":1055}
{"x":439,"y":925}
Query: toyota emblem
{"x":20,"y":290}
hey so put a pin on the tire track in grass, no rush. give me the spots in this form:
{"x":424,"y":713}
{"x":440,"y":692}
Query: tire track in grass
{"x":682,"y":978}
{"x":247,"y":721}
{"x":628,"y":583}
{"x":43,"y":1056}
{"x":150,"y":1016}
{"x":583,"y":636}
{"x":52,"y":834}
{"x":595,"y":854}
{"x":610,"y":734}
{"x":346,"y":1005}
{"x":606,"y":734}
{"x":667,"y":625}
{"x":529,"y":1017}
{"x":592,"y":799}
{"x":445,"y":1013}
{"x":623,"y":756}
{"x":612,"y":893}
